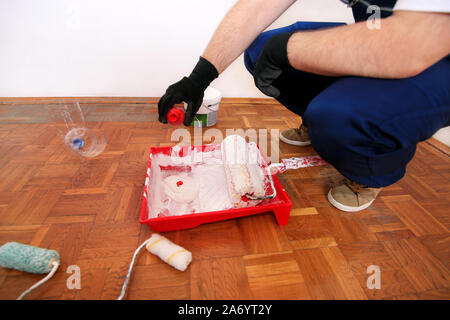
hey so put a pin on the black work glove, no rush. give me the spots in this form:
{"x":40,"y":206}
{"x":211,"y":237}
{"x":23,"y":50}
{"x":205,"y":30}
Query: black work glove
{"x":271,"y":63}
{"x":190,"y":90}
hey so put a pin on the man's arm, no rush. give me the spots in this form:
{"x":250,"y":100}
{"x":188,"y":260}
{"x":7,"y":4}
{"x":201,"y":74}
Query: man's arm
{"x":240,"y":26}
{"x":407,"y":44}
{"x":238,"y":29}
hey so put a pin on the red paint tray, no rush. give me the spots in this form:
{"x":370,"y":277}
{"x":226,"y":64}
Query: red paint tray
{"x":280,"y":205}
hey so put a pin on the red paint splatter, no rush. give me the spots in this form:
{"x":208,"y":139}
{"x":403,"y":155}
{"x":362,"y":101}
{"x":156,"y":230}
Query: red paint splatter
{"x":179,"y":183}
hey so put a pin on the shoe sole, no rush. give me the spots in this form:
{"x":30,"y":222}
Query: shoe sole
{"x":343,"y":207}
{"x":293,"y":142}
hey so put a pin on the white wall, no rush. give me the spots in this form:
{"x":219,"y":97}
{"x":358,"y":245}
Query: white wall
{"x":121,"y":48}
{"x":124,"y":48}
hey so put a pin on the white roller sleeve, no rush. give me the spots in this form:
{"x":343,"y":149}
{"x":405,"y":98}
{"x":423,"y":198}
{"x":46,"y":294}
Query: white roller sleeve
{"x":244,"y":176}
{"x":174,"y":255}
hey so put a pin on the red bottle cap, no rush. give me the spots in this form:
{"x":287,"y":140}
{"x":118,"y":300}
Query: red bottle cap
{"x":175,"y":116}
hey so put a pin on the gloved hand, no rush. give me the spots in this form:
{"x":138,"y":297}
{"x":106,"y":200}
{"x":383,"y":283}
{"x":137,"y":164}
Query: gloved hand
{"x":271,"y":63}
{"x":190,"y":90}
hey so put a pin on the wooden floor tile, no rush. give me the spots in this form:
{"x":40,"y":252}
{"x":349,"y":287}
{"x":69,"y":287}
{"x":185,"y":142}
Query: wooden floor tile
{"x":88,"y":210}
{"x":275,"y":276}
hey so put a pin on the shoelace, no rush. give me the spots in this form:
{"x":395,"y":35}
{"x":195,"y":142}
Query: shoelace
{"x":355,"y":188}
{"x":302,"y":129}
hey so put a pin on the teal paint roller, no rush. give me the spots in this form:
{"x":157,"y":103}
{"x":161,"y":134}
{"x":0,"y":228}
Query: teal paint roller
{"x":30,"y":259}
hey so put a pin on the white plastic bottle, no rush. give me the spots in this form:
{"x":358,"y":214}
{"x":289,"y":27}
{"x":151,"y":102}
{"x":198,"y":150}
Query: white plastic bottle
{"x":77,"y":138}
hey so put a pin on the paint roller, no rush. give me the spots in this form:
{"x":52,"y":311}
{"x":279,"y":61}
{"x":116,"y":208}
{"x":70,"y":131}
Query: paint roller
{"x":172,"y":254}
{"x":246,"y":172}
{"x":30,"y":259}
{"x":244,"y":175}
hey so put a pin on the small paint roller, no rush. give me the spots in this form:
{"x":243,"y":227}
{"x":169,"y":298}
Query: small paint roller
{"x":246,"y":174}
{"x":30,"y":259}
{"x":167,"y":251}
{"x":172,"y":254}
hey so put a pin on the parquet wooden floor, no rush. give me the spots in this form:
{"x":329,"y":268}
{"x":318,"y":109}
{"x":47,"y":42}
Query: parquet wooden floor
{"x":88,"y":211}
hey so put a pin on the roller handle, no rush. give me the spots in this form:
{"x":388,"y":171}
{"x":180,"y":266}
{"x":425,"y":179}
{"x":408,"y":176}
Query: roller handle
{"x":287,"y":164}
{"x":296,"y":163}
{"x":175,"y":116}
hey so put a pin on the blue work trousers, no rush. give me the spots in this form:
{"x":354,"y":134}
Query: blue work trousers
{"x":367,"y":128}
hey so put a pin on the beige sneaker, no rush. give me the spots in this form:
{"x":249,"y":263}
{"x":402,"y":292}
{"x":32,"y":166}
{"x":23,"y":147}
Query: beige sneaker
{"x":296,"y":137}
{"x":351,"y":196}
